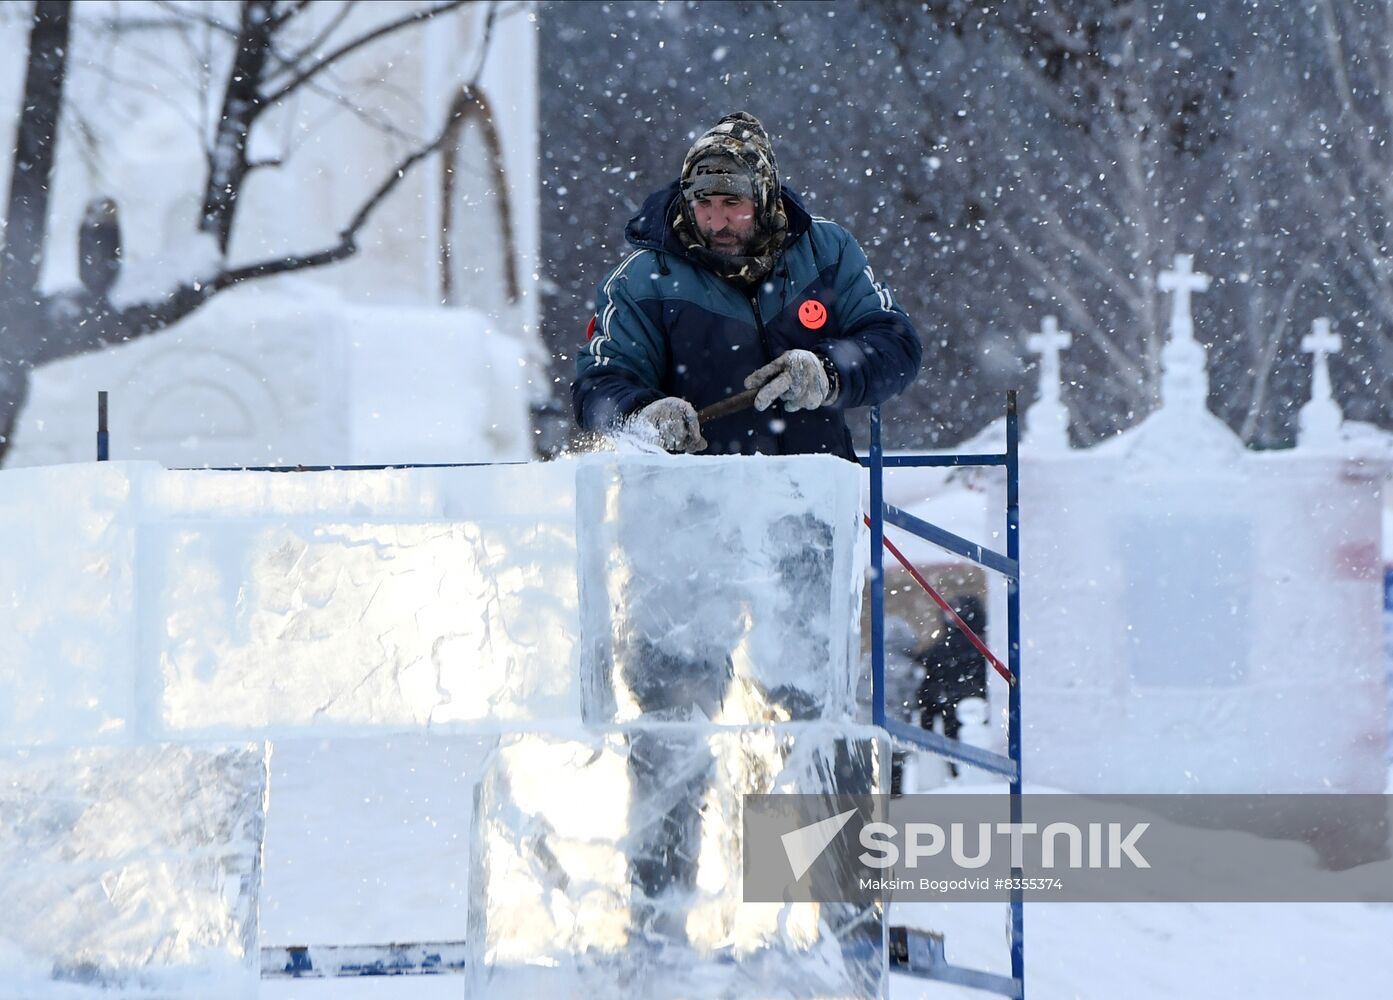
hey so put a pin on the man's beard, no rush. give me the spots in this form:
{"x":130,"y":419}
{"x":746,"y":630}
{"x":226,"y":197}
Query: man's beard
{"x":735,"y":248}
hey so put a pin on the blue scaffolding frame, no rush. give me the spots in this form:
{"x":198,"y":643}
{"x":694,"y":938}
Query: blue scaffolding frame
{"x":912,"y":952}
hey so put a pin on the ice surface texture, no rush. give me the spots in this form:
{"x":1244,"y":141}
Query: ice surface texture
{"x":67,"y":618}
{"x":717,"y":597}
{"x":144,"y":604}
{"x":589,"y":880}
{"x":160,"y":604}
{"x":131,"y":871}
{"x":360,"y":623}
{"x":400,"y":599}
{"x":721,"y":589}
{"x":148,"y":605}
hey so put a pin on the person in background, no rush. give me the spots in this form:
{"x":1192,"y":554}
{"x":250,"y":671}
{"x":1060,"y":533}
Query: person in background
{"x":953,"y":671}
{"x":901,"y":685}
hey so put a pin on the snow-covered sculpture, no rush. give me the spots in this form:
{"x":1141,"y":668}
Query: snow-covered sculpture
{"x":309,"y":378}
{"x":1181,"y":431}
{"x":353,"y":363}
{"x":1186,"y":381}
{"x":1047,"y":421}
{"x":1187,"y":599}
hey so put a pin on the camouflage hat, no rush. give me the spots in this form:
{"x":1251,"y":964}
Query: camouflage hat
{"x":734,"y":157}
{"x":737,"y":140}
{"x":718,"y":173}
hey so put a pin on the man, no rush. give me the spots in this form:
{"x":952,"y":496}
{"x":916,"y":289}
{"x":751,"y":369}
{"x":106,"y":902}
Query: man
{"x":731,"y":285}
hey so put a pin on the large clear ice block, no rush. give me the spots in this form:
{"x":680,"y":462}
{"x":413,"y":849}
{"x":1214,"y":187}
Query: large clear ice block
{"x":148,"y":604}
{"x":302,"y":624}
{"x":387,"y":598}
{"x":67,"y":620}
{"x":131,"y":871}
{"x":609,"y":864}
{"x":725,"y":589}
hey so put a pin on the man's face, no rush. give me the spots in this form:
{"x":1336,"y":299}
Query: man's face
{"x":726,"y":221}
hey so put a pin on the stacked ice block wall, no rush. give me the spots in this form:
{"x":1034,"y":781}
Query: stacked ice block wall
{"x":614,"y":649}
{"x":718,"y":603}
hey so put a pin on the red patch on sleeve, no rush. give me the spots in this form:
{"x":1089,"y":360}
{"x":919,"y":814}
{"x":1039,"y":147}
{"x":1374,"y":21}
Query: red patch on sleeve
{"x":590,"y":330}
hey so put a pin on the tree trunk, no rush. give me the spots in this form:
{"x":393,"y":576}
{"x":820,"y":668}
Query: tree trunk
{"x":242,"y":103}
{"x":26,"y":231}
{"x":32,"y":172}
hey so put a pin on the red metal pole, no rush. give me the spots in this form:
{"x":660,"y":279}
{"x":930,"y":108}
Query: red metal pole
{"x":947,"y":608}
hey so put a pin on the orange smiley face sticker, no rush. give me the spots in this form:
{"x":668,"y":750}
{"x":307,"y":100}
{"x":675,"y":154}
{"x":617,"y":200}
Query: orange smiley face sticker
{"x":812,"y":314}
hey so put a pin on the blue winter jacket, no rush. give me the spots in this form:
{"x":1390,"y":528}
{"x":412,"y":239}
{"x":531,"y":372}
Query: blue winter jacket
{"x":665,"y":326}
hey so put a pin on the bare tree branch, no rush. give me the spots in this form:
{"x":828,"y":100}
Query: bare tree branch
{"x":196,"y":16}
{"x":1104,"y":270}
{"x":1310,"y":263}
{"x":242,"y":105}
{"x":289,"y":11}
{"x":1375,"y":170}
{"x":349,"y":47}
{"x":1129,"y":378}
{"x":147,"y":316}
{"x":167,"y":97}
{"x":144,"y":317}
{"x":379,"y":122}
{"x":289,"y":62}
{"x":26,"y":211}
{"x":347,"y":244}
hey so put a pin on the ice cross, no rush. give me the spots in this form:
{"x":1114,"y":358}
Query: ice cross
{"x":1182,"y":281}
{"x":1047,"y":422}
{"x":1320,"y":418}
{"x":1184,"y":379}
{"x":1048,"y":343}
{"x":1320,"y":341}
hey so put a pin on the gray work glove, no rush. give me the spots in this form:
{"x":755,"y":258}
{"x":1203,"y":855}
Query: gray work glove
{"x":672,"y":423}
{"x":795,"y":377}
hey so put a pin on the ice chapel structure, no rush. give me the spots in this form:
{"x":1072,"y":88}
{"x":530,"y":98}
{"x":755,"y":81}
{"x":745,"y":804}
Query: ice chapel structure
{"x":1199,"y":617}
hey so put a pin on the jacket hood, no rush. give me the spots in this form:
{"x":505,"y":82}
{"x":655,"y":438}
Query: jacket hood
{"x":651,"y":229}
